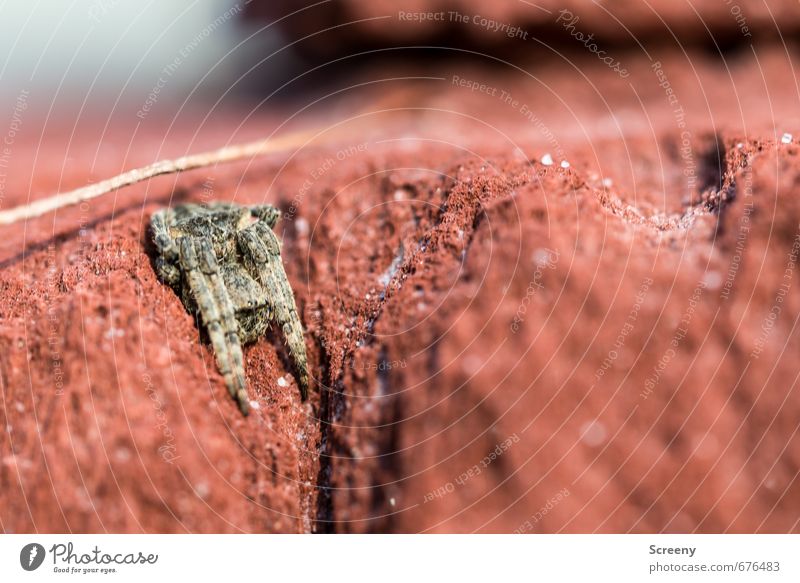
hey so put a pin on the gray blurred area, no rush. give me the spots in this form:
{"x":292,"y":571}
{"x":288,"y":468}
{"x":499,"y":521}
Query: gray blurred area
{"x":129,"y":55}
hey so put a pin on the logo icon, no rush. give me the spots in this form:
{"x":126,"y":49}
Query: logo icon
{"x":31,"y":556}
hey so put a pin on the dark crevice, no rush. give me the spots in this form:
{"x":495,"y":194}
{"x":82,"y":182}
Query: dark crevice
{"x":388,"y":442}
{"x":717,"y":182}
{"x":324,"y":519}
{"x":333,"y":406}
{"x":711,"y":167}
{"x":480,"y":214}
{"x":333,"y":403}
{"x":727,"y":197}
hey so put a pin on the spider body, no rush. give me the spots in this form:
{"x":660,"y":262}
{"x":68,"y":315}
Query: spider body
{"x":223,"y":260}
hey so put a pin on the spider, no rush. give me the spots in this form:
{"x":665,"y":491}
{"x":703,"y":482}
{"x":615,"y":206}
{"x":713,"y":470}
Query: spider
{"x":224,"y":262}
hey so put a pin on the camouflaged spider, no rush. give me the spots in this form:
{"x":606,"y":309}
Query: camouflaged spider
{"x":224,"y":261}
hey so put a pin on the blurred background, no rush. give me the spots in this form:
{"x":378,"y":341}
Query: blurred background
{"x":113,"y":54}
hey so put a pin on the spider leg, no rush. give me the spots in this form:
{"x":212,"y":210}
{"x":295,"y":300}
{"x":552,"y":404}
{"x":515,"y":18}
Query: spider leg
{"x":167,"y":257}
{"x":267,"y":213}
{"x":262,"y":256}
{"x":165,"y":244}
{"x":216,"y":309}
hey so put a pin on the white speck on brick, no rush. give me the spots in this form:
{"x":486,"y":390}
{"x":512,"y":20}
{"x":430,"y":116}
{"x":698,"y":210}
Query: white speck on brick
{"x":564,"y":164}
{"x":282,"y":382}
{"x":547,"y":160}
{"x":471,"y":364}
{"x":542,"y":257}
{"x":202,"y":490}
{"x":786,"y":139}
{"x":607,"y":182}
{"x":712,"y":279}
{"x":593,"y":433}
{"x":302,"y":226}
{"x":114,"y":333}
{"x":255,"y":405}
